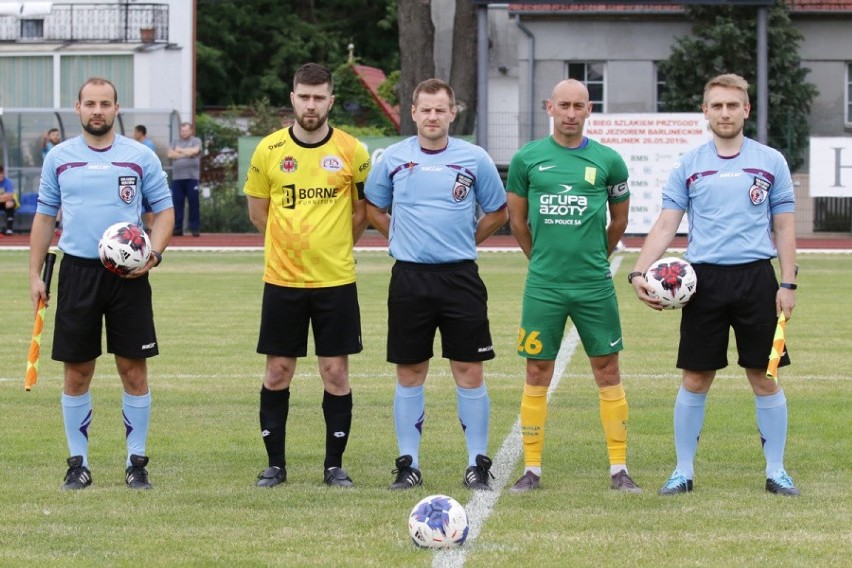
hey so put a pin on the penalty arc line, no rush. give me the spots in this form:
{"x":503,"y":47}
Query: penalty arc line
{"x":480,"y":507}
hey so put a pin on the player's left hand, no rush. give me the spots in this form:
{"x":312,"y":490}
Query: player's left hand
{"x":142,"y":270}
{"x":643,"y":292}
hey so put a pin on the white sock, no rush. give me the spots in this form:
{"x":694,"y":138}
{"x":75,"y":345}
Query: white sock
{"x":613,"y":469}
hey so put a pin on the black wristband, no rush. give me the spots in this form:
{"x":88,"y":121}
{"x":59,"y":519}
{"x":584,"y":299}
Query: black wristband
{"x":633,"y":275}
{"x":788,"y":286}
{"x":158,"y":256}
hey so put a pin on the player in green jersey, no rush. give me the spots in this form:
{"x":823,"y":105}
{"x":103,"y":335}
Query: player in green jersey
{"x":560,"y":189}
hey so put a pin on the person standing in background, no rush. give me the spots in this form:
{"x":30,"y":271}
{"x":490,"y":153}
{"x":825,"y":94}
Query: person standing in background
{"x":140,"y":134}
{"x":185,"y":153}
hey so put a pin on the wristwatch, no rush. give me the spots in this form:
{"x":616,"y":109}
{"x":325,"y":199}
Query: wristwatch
{"x":158,"y":256}
{"x":633,"y":275}
{"x":788,"y":286}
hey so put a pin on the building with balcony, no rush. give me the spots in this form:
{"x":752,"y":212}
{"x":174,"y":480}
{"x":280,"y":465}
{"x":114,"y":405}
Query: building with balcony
{"x":48,"y":49}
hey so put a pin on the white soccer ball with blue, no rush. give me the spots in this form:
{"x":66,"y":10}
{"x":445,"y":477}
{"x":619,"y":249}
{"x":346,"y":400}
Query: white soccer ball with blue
{"x":673,"y":280}
{"x":124,"y":247}
{"x":438,"y":521}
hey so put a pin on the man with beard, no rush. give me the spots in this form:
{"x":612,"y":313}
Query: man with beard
{"x":305,"y":188}
{"x":100,"y":178}
{"x":737,"y":193}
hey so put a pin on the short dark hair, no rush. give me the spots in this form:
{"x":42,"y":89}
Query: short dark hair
{"x":97,"y":81}
{"x":140,"y":128}
{"x":431,"y":87}
{"x":313,"y":74}
{"x":2,"y":168}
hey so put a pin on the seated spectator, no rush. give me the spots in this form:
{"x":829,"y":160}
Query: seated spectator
{"x":50,"y":139}
{"x":140,"y":134}
{"x":8,"y":200}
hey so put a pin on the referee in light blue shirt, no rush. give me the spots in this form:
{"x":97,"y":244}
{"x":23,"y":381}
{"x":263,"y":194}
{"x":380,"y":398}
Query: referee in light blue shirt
{"x":435,"y":185}
{"x":738,"y":195}
{"x":97,"y":179}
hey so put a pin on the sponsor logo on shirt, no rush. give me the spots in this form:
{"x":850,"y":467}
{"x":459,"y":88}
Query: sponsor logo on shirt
{"x":332,"y":164}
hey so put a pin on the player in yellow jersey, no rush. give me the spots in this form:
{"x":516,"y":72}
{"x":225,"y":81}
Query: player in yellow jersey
{"x":305,"y":189}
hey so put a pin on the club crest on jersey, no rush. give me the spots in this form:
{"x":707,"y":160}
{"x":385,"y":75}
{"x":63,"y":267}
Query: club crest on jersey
{"x":289,"y":164}
{"x":590,"y":175}
{"x":758,"y":191}
{"x":127,"y":188}
{"x":332,"y":164}
{"x":462,"y":187}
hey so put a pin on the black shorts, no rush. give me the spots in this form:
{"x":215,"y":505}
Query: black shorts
{"x":425,"y":297}
{"x":740,"y":296}
{"x":89,"y":294}
{"x":333,"y":313}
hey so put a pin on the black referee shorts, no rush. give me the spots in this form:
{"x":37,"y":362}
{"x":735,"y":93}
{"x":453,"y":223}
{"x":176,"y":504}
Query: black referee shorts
{"x":739,"y":296}
{"x":89,"y":294}
{"x":423,"y":298}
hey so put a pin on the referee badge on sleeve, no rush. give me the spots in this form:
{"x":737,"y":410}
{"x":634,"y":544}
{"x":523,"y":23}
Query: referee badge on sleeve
{"x":127,"y":186}
{"x":462,"y":187}
{"x":758,"y":191}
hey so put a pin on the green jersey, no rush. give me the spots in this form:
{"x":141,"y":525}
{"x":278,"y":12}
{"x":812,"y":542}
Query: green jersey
{"x":568,"y":190}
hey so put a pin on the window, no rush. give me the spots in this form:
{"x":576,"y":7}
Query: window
{"x":661,"y":88}
{"x":27,"y":81}
{"x":32,"y":29}
{"x":592,"y":74}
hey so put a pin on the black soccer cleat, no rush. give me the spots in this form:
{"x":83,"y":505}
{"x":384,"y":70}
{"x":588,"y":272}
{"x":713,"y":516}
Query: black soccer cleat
{"x":476,"y":476}
{"x":337,"y":477}
{"x":676,"y":484}
{"x":136,"y":476}
{"x":78,"y":476}
{"x":271,"y":476}
{"x":781,"y":484}
{"x":406,"y":476}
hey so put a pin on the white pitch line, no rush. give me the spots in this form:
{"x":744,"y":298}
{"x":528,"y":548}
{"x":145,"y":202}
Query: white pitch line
{"x":480,"y":507}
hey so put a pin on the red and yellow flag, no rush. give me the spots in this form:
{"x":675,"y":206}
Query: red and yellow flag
{"x":777,"y":349}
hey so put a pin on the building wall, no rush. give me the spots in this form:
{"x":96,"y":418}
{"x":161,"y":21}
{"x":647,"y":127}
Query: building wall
{"x":161,"y":74}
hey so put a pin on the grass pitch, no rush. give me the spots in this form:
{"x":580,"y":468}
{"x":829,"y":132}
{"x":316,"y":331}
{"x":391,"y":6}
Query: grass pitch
{"x":206,"y":450}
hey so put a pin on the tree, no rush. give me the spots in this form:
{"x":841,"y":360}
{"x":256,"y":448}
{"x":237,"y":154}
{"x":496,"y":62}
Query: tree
{"x":249,"y":49}
{"x":463,"y":75}
{"x":724,"y":40}
{"x":417,"y":56}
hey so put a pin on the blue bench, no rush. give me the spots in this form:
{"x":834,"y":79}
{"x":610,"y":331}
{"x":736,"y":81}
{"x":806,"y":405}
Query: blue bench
{"x":25,"y":213}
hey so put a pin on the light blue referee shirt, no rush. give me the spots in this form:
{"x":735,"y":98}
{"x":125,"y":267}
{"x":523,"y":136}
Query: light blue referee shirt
{"x":434,"y":197}
{"x":730,"y":201}
{"x":96,"y":188}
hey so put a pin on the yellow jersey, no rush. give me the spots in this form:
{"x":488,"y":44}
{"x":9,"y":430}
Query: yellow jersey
{"x":311,"y":190}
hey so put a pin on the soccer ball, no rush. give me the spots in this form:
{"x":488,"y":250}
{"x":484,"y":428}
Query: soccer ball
{"x":673,"y":280}
{"x":438,"y":521}
{"x":124,"y":247}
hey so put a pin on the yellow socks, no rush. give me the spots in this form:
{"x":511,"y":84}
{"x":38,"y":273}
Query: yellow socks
{"x":614,"y":411}
{"x":533,"y":417}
